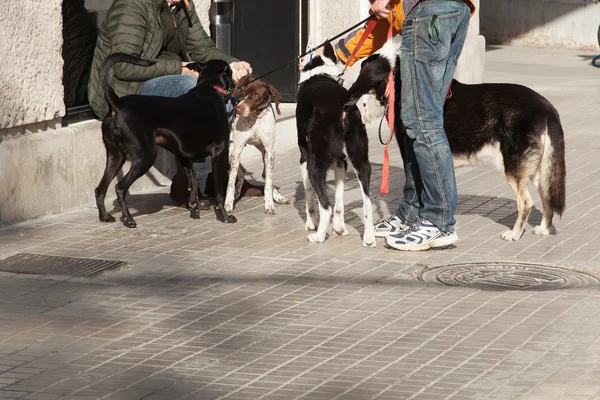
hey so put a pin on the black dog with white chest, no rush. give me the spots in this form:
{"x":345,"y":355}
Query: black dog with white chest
{"x":509,"y":124}
{"x":326,"y":139}
{"x":192,"y":127}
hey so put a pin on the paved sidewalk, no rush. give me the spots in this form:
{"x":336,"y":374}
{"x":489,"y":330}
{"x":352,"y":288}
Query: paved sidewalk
{"x":205,"y":310}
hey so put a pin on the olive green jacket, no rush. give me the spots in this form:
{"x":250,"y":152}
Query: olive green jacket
{"x":135,"y":27}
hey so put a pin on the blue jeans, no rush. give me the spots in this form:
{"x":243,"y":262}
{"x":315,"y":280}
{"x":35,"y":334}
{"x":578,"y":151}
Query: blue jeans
{"x":432,"y":39}
{"x":175,"y":86}
{"x":169,"y":85}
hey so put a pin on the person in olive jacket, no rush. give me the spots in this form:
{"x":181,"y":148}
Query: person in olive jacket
{"x":155,"y":30}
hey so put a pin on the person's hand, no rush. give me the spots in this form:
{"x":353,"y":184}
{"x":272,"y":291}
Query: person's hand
{"x":240,"y":69}
{"x":187,"y":71}
{"x":381,"y":8}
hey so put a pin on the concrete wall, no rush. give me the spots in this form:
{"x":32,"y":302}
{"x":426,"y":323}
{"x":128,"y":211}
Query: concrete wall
{"x":328,"y":18}
{"x":571,"y":24}
{"x":31,"y":67}
{"x":57,"y":170}
{"x":471,"y":63}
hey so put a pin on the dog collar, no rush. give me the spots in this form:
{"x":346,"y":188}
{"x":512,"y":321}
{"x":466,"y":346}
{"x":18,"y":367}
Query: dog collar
{"x":221,"y":90}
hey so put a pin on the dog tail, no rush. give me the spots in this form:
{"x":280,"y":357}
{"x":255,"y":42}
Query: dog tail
{"x":553,"y":171}
{"x":112,"y":59}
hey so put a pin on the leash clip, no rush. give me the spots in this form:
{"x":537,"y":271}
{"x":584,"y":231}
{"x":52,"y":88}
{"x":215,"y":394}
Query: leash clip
{"x":340,"y":79}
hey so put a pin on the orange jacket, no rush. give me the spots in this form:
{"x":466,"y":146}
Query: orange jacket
{"x":378,"y":36}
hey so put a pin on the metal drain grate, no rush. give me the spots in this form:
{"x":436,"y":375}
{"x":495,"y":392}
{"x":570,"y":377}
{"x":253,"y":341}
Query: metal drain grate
{"x":38,"y":264}
{"x":507,"y":276}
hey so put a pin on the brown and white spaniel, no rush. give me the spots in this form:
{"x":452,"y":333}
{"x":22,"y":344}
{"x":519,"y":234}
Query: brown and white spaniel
{"x":255,"y":124}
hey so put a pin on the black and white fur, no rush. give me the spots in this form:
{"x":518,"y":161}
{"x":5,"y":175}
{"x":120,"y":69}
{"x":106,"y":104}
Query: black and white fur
{"x":508,"y":124}
{"x":325,"y":141}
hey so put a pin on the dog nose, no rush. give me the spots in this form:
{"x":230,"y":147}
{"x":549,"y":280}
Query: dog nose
{"x":240,"y":109}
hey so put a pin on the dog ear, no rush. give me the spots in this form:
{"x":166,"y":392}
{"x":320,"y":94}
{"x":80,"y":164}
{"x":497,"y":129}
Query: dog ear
{"x":276,"y":96}
{"x":329,"y":52}
{"x":244,"y":79}
{"x":226,"y":77}
{"x":239,"y":85}
{"x":195,"y":66}
{"x":368,"y":61}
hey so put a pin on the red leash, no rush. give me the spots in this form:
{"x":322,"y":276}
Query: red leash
{"x":369,"y":27}
{"x":385,"y":173}
{"x":386,"y":157}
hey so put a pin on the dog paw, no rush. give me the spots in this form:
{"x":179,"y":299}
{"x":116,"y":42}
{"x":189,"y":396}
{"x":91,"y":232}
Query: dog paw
{"x":195,"y":214}
{"x":540,"y":230}
{"x":228,"y":207}
{"x":315,"y":238}
{"x":310,"y":226}
{"x":130,"y":223}
{"x":372,"y":244}
{"x":369,"y":239}
{"x":270,"y":211}
{"x":510,"y":236}
{"x":340,"y":231}
{"x":107,"y":218}
{"x":282,"y":200}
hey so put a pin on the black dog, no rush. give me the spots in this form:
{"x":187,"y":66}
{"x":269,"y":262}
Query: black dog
{"x":325,"y":141}
{"x":509,"y":124}
{"x":191,"y":126}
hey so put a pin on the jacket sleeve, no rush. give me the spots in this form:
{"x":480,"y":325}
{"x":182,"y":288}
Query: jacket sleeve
{"x":128,"y":29}
{"x":376,"y":39}
{"x":199,"y":45}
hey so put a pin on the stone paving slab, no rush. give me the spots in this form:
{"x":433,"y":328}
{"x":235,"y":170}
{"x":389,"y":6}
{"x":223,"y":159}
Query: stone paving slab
{"x":205,"y":310}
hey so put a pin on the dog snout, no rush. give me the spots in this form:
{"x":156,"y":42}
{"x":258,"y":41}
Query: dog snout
{"x":242,"y":109}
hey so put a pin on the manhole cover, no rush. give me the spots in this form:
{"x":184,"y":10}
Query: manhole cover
{"x":38,"y":264}
{"x":507,"y":276}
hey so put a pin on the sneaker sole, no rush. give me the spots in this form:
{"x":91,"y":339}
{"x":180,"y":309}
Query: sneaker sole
{"x":385,"y":234}
{"x":435,"y":244}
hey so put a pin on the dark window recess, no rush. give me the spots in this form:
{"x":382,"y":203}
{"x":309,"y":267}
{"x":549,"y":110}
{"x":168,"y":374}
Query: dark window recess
{"x":266,"y":36}
{"x":79,"y":41}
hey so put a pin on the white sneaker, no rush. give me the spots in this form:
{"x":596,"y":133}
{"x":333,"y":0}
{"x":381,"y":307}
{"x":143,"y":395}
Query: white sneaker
{"x":390,"y":226}
{"x":423,"y":236}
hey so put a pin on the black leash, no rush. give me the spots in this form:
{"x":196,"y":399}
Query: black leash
{"x":312,"y":49}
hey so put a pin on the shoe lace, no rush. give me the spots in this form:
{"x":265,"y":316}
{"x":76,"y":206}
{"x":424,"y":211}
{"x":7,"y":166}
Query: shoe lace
{"x":387,"y":219}
{"x":414,"y":226}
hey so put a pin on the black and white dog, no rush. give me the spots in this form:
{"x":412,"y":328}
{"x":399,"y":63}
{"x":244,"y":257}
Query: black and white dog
{"x":509,"y":124}
{"x":326,"y":141}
